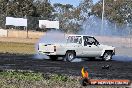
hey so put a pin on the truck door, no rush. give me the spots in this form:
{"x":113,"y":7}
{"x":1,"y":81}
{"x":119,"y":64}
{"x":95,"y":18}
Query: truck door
{"x":76,"y":40}
{"x":90,"y":48}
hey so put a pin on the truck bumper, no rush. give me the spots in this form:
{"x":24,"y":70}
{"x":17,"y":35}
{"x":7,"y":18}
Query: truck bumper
{"x":47,"y":53}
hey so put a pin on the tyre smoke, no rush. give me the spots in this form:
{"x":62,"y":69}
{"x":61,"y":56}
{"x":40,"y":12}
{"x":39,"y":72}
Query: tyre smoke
{"x":92,"y":26}
{"x":53,"y":36}
{"x":122,"y":58}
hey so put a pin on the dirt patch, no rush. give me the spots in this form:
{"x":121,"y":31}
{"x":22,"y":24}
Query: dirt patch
{"x":117,"y":70}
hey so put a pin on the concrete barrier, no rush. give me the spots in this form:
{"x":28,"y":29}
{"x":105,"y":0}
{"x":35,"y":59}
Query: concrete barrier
{"x":23,"y":34}
{"x":3,"y":33}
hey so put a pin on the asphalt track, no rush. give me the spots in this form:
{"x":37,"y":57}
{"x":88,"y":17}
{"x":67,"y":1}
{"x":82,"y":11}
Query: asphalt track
{"x":118,"y":69}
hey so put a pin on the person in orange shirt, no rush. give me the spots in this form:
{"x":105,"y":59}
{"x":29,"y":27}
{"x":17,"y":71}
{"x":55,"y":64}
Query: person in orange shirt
{"x":85,"y":77}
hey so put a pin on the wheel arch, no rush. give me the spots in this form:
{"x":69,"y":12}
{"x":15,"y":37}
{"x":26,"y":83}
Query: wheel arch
{"x":71,"y":51}
{"x":103,"y":52}
{"x":68,"y":52}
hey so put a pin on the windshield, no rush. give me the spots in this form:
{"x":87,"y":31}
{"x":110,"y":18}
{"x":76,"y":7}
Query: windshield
{"x":74,"y":39}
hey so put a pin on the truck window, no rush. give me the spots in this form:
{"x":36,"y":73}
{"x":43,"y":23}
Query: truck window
{"x":89,"y":40}
{"x":74,"y":39}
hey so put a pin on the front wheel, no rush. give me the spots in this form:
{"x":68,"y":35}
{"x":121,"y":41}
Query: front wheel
{"x":70,"y":56}
{"x":107,"y":56}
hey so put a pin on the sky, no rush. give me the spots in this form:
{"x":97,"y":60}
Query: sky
{"x":73,"y":2}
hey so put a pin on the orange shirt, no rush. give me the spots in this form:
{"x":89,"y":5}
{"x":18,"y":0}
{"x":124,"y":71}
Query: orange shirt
{"x":84,"y":73}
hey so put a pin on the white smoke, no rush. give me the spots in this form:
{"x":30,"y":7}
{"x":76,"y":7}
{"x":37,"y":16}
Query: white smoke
{"x":92,"y":26}
{"x":53,"y":36}
{"x":122,"y":58}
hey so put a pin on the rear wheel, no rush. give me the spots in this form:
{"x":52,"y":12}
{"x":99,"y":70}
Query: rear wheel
{"x":107,"y":56}
{"x":70,"y":56}
{"x":53,"y":57}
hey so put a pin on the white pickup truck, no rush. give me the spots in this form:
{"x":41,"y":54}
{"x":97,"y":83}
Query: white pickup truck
{"x":77,"y":46}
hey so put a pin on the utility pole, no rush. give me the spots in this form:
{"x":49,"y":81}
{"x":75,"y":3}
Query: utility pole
{"x":102,"y":26}
{"x":26,"y":27}
{"x":6,"y":16}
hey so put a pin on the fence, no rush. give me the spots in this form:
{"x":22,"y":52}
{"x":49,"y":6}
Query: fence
{"x":20,"y":34}
{"x":3,"y":33}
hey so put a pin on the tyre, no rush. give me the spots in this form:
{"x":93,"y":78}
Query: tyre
{"x":53,"y":58}
{"x":70,"y":56}
{"x":107,"y":56}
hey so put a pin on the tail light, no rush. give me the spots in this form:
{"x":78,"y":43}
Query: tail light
{"x":38,"y":47}
{"x":54,"y":48}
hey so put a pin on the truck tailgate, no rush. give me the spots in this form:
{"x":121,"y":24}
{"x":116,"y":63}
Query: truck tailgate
{"x":46,"y":47}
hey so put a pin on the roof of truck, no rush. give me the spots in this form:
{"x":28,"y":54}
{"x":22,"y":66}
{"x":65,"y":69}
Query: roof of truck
{"x":81,"y":35}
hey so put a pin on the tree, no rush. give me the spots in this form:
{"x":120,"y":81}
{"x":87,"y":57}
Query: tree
{"x":118,"y":11}
{"x":20,"y":8}
{"x":71,"y":18}
{"x":44,"y":9}
{"x":85,"y":8}
{"x":63,"y":14}
{"x":26,"y":8}
{"x":3,"y":6}
{"x":3,"y":12}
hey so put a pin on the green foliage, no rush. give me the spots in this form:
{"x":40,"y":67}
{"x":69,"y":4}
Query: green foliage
{"x":33,"y":10}
{"x":85,"y":7}
{"x":26,"y":79}
{"x":22,"y":8}
{"x":21,"y":75}
{"x":59,"y":77}
{"x":32,"y":76}
{"x":118,"y":11}
{"x":71,"y":18}
{"x":63,"y":14}
{"x":43,"y":9}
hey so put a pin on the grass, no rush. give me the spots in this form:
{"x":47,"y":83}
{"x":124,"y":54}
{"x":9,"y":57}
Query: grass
{"x":29,"y":79}
{"x":21,"y":75}
{"x":21,"y":48}
{"x":26,"y":79}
